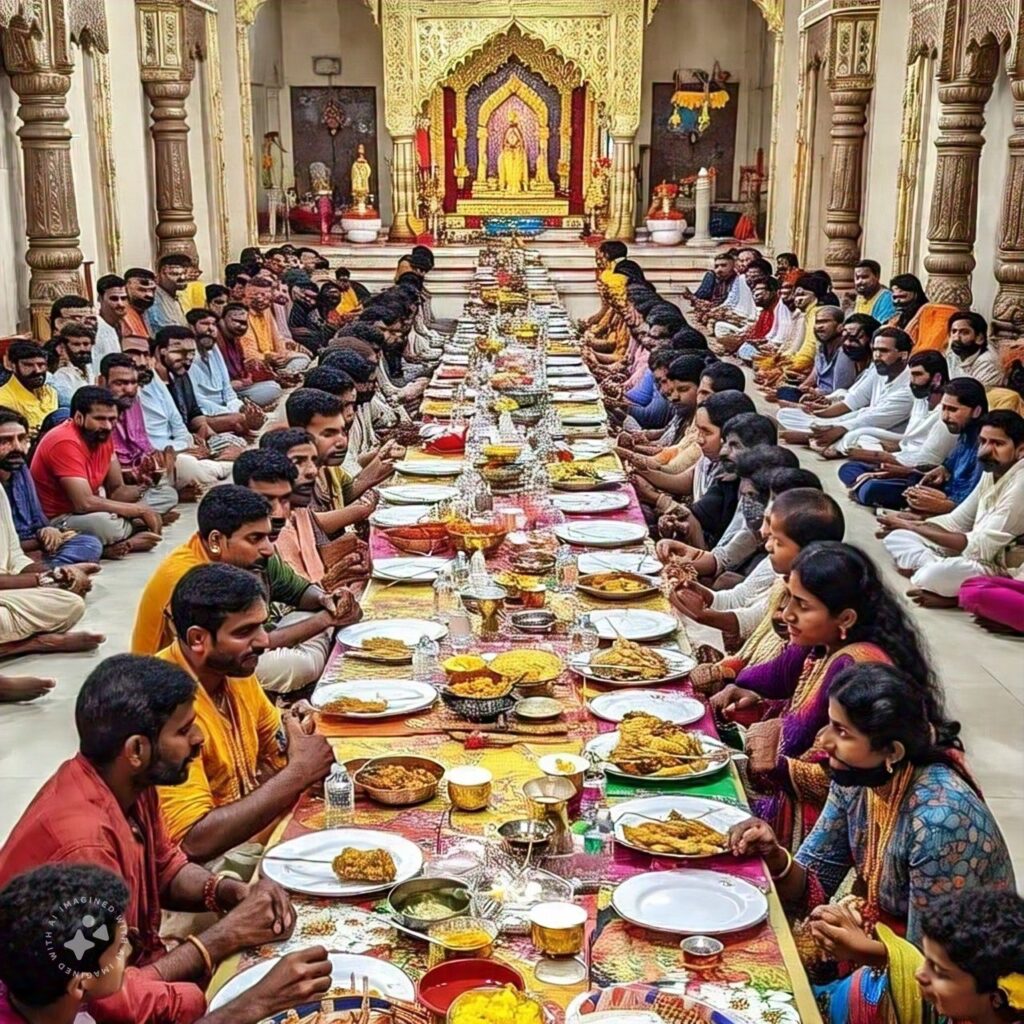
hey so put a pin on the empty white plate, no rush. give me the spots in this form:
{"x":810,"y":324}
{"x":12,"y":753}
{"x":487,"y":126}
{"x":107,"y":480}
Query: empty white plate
{"x":637,"y":624}
{"x":621,"y":561}
{"x":430,"y":467}
{"x":417,"y":494}
{"x":690,"y":902}
{"x":601,"y":534}
{"x":590,"y":503}
{"x":668,"y":706}
{"x":400,"y":515}
{"x":413,"y":569}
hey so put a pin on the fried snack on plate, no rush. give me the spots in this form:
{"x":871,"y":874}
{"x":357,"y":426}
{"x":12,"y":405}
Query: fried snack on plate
{"x":677,"y":835}
{"x":626,"y":659}
{"x":352,"y":865}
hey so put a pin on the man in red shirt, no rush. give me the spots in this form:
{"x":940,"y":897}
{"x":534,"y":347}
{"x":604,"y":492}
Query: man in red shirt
{"x":137,"y":729}
{"x":74,"y":461}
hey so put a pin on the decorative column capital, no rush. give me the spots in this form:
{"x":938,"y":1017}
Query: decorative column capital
{"x":170,"y":39}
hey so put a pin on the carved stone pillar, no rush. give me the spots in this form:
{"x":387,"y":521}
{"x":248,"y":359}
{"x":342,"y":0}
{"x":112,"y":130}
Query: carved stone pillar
{"x":842,"y":219}
{"x":166,"y":61}
{"x":40,"y":70}
{"x":622,"y":194}
{"x":403,"y":187}
{"x":953,"y":220}
{"x":1008,"y":310}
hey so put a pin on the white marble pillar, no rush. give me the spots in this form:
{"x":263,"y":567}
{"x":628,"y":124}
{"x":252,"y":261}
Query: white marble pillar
{"x":702,"y":213}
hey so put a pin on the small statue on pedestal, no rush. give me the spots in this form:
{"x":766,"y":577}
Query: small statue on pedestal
{"x":323,"y":189}
{"x":595,"y":199}
{"x":361,"y":173}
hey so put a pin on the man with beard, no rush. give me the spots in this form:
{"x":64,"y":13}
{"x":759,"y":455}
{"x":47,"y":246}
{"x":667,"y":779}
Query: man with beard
{"x":979,"y":537}
{"x":393,"y":320}
{"x":80,"y":484}
{"x":26,"y":391}
{"x":926,"y":322}
{"x":264,"y":345}
{"x":75,"y":344}
{"x":137,"y":729}
{"x":339,"y":500}
{"x":256,"y":761}
{"x":141,"y":464}
{"x":232,"y":326}
{"x":872,"y":298}
{"x":879,"y":398}
{"x":217,"y":297}
{"x":171,"y":274}
{"x":140,"y":287}
{"x":969,"y":353}
{"x":39,"y":540}
{"x":194,"y":465}
{"x":832,"y":370}
{"x":305,"y":320}
{"x":940,"y":476}
{"x":113,"y":299}
{"x":234,"y":527}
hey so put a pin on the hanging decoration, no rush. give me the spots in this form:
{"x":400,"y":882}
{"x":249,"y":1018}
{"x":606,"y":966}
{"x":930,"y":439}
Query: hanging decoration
{"x":691,"y":108}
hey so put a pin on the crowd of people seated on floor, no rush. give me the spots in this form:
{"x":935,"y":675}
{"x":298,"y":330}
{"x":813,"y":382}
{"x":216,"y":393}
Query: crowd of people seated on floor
{"x":281,"y":398}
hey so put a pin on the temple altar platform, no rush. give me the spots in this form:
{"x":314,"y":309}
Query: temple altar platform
{"x":570,"y":261}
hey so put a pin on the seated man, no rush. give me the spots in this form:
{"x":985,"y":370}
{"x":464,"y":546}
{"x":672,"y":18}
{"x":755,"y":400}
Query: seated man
{"x":141,"y":464}
{"x":136,"y":728}
{"x":719,"y":283}
{"x":794,"y":519}
{"x":46,"y":909}
{"x":80,"y":484}
{"x":38,"y":606}
{"x":766,"y":299}
{"x":832,"y":370}
{"x":338,"y":499}
{"x":113,"y":307}
{"x":872,"y":298}
{"x":174,"y":349}
{"x":929,"y":488}
{"x":42,"y":542}
{"x":194,"y":465}
{"x":263,"y":389}
{"x":166,"y":310}
{"x":305,"y":322}
{"x":879,"y":398}
{"x":738,"y":314}
{"x":980,"y":536}
{"x":794,"y":358}
{"x":256,"y":761}
{"x":969,"y":353}
{"x":349,"y":304}
{"x":75,"y":344}
{"x":223,"y":410}
{"x":264,"y":345}
{"x":234,"y":527}
{"x":26,"y":391}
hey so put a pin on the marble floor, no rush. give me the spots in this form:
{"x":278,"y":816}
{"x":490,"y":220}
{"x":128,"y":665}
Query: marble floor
{"x":983,"y":677}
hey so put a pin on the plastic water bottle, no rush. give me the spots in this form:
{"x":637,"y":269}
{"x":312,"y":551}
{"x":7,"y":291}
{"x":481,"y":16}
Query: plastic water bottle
{"x":339,"y":798}
{"x":565,"y":570}
{"x":424,"y":660}
{"x":478,"y":569}
{"x":460,"y":571}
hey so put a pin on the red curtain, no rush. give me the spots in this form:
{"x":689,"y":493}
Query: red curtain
{"x":422,"y":148}
{"x":450,"y":186}
{"x":577,"y":168}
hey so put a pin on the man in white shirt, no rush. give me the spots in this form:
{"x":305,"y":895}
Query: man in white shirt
{"x":113,"y":301}
{"x":970,"y":354}
{"x":980,"y":536}
{"x":75,"y":343}
{"x":878,"y":398}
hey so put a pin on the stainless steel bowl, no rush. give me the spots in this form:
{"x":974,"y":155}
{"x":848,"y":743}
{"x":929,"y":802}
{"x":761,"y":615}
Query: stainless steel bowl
{"x":533,"y":621}
{"x":522,"y":834}
{"x":450,"y":891}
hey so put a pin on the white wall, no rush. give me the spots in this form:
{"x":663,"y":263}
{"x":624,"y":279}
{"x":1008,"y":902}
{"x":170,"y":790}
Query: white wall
{"x":994,"y":161}
{"x":13,"y":269}
{"x":696,"y":33}
{"x":327,"y":28}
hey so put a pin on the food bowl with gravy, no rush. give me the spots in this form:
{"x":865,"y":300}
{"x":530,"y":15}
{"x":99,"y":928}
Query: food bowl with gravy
{"x":400,"y":780}
{"x":422,"y":903}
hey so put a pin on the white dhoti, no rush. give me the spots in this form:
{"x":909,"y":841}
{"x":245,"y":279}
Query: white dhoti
{"x":794,"y":419}
{"x":724,"y":329}
{"x":204,"y":472}
{"x":935,"y":569}
{"x":286,"y":669}
{"x":24,"y":613}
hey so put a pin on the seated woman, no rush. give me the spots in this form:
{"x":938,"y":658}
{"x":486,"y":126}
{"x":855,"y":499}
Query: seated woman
{"x":970,"y":967}
{"x":996,"y":602}
{"x":902,"y":812}
{"x":839,"y":613}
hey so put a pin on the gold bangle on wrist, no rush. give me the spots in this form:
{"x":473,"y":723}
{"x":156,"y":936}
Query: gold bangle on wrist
{"x":786,"y":870}
{"x":203,"y":952}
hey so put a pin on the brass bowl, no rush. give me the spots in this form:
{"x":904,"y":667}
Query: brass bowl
{"x":502,"y":454}
{"x":470,"y":537}
{"x":501,"y":473}
{"x":423,"y":539}
{"x":455,"y":925}
{"x":404,"y":797}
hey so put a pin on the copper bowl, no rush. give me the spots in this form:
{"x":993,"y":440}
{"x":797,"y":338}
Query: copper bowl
{"x":422,"y":539}
{"x":470,"y":537}
{"x":402,"y":797}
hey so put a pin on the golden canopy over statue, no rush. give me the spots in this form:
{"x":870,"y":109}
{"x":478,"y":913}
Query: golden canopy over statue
{"x":361,"y":172}
{"x":513,"y":165}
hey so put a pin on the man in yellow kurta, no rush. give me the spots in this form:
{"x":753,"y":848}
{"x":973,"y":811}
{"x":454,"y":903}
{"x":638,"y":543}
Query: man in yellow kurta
{"x":256,"y":761}
{"x":26,"y":391}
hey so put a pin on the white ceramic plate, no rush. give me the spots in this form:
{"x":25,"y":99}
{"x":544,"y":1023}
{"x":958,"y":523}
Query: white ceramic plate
{"x":637,"y":624}
{"x":400,"y":515}
{"x":601,"y":534}
{"x":565,"y":361}
{"x":404,"y":696}
{"x":690,"y":902}
{"x":591,"y":561}
{"x":601,"y":747}
{"x":417,"y":494}
{"x":666,"y":705}
{"x":413,"y":568}
{"x":715,"y":815}
{"x":590,"y":503}
{"x":409,"y":631}
{"x":575,"y":383}
{"x":381,"y":975}
{"x":583,"y":420}
{"x":455,"y":359}
{"x":566,"y":371}
{"x":444,"y":393}
{"x":430,"y":467}
{"x":679,"y":665}
{"x":575,"y":396}
{"x":319,"y":879}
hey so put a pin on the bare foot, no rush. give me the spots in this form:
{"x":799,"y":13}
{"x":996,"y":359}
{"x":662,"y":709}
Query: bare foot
{"x":89,"y":568}
{"x":144,"y":541}
{"x":117,"y":551}
{"x":23,"y":688}
{"x":53,"y":643}
{"x":928,"y":599}
{"x":188,"y":492}
{"x":170,"y":517}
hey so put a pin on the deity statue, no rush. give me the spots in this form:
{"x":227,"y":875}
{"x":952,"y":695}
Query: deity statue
{"x":361,"y":172}
{"x":320,"y":178}
{"x":595,"y":200}
{"x":513,"y":166}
